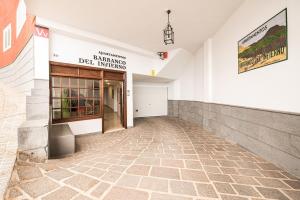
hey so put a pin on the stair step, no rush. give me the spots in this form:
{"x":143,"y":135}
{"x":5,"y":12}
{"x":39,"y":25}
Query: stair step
{"x":41,"y":84}
{"x":37,"y":100}
{"x":40,"y":92}
{"x":37,"y":111}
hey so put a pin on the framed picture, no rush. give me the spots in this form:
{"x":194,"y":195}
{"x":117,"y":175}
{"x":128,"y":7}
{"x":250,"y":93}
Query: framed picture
{"x":265,"y":45}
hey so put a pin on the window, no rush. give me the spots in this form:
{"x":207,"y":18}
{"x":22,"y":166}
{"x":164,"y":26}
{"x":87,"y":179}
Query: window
{"x":7,"y":37}
{"x":75,"y":98}
{"x":21,"y":16}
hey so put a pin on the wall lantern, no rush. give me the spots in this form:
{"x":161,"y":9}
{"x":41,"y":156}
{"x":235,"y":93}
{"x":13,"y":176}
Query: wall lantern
{"x":162,"y":55}
{"x":168,"y":32}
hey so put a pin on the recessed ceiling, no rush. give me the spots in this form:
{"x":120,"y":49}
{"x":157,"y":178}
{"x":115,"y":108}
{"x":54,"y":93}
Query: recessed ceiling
{"x":151,"y":79}
{"x":140,"y":22}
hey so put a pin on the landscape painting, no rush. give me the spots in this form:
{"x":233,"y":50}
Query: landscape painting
{"x":265,"y":45}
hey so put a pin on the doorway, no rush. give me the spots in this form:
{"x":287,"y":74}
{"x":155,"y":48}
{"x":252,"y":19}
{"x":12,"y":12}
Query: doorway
{"x":113,"y":100}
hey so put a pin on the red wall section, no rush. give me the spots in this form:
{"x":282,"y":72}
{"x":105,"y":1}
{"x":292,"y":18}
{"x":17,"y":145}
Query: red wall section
{"x":8,"y":10}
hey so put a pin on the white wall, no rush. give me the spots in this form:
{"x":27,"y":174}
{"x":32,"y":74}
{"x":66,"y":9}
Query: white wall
{"x":41,"y":58}
{"x":190,"y":84}
{"x":150,"y":99}
{"x":273,"y":87}
{"x":86,"y":126}
{"x":199,"y":74}
{"x":215,"y":75}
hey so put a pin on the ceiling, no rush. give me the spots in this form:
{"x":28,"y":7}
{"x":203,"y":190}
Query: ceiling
{"x":140,"y":22}
{"x":149,"y":79}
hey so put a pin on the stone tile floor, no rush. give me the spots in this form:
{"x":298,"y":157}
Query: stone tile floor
{"x":159,"y":159}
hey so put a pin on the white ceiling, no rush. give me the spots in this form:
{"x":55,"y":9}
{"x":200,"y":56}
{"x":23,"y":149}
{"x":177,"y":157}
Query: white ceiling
{"x":149,"y":79}
{"x":140,"y":22}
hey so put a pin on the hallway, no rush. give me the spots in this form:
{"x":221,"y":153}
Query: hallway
{"x":159,"y":159}
{"x":112,"y":121}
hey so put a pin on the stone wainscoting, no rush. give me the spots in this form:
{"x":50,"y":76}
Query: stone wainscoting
{"x":273,"y":135}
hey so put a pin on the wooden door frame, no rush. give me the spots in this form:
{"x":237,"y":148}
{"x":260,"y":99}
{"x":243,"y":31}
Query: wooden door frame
{"x":122,"y":77}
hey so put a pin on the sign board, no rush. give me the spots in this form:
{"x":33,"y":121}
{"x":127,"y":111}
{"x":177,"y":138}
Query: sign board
{"x":105,"y":60}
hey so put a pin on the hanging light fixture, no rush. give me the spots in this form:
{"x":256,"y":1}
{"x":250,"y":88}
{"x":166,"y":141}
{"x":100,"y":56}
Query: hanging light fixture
{"x":168,"y":32}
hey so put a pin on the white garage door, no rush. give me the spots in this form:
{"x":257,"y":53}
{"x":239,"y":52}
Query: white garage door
{"x":150,"y":101}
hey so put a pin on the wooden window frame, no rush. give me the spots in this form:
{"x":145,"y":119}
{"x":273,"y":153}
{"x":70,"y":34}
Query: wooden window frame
{"x":69,"y":97}
{"x":87,"y":72}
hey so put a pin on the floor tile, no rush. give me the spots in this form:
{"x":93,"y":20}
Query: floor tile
{"x":129,"y":181}
{"x":224,"y":188}
{"x":172,"y":163}
{"x":294,"y":184}
{"x":13,"y":193}
{"x":64,"y":193}
{"x":81,"y":182}
{"x":193,"y":175}
{"x":100,"y":189}
{"x":38,"y":187}
{"x":119,"y":193}
{"x":230,"y":197}
{"x":271,"y":174}
{"x":229,"y":170}
{"x":267,"y":166}
{"x":219,"y":177}
{"x":158,"y":196}
{"x":97,"y":173}
{"x":227,"y":163}
{"x":272,"y":193}
{"x":244,"y":180}
{"x":212,"y":169}
{"x":182,"y":187}
{"x":271,"y":182}
{"x":249,"y":172}
{"x":154,"y":184}
{"x":28,"y":172}
{"x":206,"y":190}
{"x":111,"y":176}
{"x":165,"y":172}
{"x":193,"y":164}
{"x":293,"y":194}
{"x":246,"y":190}
{"x":59,"y":174}
{"x":141,"y":170}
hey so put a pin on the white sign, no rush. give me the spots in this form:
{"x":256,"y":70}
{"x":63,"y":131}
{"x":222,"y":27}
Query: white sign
{"x":106,"y":60}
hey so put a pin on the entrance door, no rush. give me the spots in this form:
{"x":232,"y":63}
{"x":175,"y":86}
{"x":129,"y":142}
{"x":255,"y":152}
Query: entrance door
{"x":114,"y":99}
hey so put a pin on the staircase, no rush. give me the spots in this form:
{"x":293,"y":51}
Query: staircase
{"x":33,"y":133}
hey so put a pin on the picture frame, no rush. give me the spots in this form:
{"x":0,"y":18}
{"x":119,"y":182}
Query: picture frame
{"x":266,"y":45}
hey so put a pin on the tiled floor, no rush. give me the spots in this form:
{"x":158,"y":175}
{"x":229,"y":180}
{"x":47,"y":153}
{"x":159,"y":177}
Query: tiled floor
{"x":160,"y":159}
